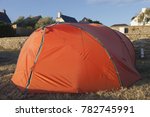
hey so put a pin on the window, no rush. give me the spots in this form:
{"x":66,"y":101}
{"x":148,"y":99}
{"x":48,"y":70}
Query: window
{"x":126,"y":30}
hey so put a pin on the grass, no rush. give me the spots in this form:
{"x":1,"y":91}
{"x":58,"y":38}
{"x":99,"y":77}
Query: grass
{"x":8,"y":60}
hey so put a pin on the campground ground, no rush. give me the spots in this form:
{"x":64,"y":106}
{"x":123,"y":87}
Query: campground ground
{"x":140,"y":90}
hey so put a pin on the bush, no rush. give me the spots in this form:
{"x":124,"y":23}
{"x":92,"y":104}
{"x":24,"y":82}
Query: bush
{"x":44,"y":21}
{"x":6,"y":30}
{"x":19,"y":20}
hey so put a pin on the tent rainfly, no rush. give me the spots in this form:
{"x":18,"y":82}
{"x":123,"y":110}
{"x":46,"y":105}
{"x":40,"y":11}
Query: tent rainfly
{"x":75,"y":58}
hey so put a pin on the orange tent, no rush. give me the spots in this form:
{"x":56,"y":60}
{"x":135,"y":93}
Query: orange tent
{"x":75,"y":58}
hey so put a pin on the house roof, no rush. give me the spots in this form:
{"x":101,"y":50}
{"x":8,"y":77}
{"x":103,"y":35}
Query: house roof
{"x":84,"y":20}
{"x":144,"y":11}
{"x":69,"y":19}
{"x":119,"y":25}
{"x":133,"y":17}
{"x":4,"y":18}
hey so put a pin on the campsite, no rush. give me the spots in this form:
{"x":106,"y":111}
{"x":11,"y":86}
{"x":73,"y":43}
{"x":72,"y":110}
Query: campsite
{"x":61,"y":53}
{"x":140,"y":90}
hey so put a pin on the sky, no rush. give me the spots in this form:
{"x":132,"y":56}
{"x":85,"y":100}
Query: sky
{"x":108,"y":12}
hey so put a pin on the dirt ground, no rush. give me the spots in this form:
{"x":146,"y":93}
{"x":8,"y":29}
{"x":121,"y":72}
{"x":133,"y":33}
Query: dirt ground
{"x":140,"y":90}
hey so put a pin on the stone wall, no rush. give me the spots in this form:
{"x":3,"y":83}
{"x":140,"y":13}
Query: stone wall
{"x":12,"y":43}
{"x":135,"y":32}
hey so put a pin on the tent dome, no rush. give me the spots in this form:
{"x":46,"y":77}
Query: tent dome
{"x":75,"y":58}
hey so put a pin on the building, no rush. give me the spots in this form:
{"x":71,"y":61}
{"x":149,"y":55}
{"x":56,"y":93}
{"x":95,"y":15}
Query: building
{"x":123,"y":28}
{"x":26,"y":26}
{"x":133,"y":32}
{"x":142,"y":19}
{"x":4,"y":17}
{"x":139,"y":28}
{"x":63,"y":18}
{"x":85,"y":20}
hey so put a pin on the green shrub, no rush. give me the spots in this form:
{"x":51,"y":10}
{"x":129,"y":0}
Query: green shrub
{"x":44,"y":21}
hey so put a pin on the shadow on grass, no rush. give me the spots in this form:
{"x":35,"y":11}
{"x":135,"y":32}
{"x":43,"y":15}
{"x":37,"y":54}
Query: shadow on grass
{"x":8,"y":57}
{"x":143,"y":67}
{"x":10,"y":92}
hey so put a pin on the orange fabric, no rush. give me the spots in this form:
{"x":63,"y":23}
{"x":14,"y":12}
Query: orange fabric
{"x":76,"y":58}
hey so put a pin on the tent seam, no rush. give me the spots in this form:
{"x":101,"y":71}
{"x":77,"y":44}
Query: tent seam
{"x":35,"y":61}
{"x":133,"y":48}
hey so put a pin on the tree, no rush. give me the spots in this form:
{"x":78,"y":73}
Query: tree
{"x":44,"y":21}
{"x":33,"y":22}
{"x":30,"y":21}
{"x":141,"y":17}
{"x":19,"y":20}
{"x":147,"y":12}
{"x":94,"y":21}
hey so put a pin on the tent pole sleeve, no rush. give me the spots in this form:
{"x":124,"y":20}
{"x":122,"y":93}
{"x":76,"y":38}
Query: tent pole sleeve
{"x":37,"y":56}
